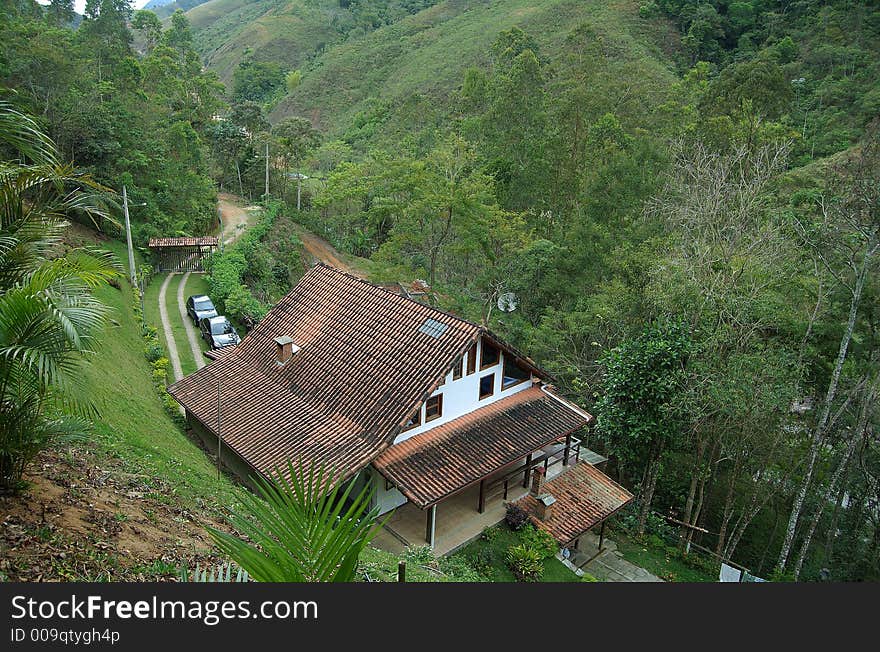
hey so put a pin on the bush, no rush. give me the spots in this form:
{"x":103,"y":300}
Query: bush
{"x":516,"y":517}
{"x":459,"y":569}
{"x":490,"y":533}
{"x":482,"y":561}
{"x":419,"y":555}
{"x":525,"y":563}
{"x":153,"y":350}
{"x":539,"y":540}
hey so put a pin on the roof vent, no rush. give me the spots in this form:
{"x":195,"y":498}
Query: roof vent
{"x":433,"y":328}
{"x":285,"y":349}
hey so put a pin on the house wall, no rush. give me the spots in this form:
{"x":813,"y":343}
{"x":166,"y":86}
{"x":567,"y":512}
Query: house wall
{"x":463,"y":395}
{"x":384,"y":499}
{"x":228,"y":458}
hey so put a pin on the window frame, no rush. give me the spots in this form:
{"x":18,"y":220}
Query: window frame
{"x":458,"y":369}
{"x":472,"y":359}
{"x":480,"y":387}
{"x":516,"y":382}
{"x":484,"y":366}
{"x":416,"y":423}
{"x":439,"y":399}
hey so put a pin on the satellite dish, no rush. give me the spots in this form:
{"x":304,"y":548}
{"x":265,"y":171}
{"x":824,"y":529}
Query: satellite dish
{"x":508,"y":302}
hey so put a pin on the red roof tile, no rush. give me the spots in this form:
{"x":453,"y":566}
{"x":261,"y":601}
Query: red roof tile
{"x":207,"y":240}
{"x":584,"y":497}
{"x":435,"y":464}
{"x":363,"y":367}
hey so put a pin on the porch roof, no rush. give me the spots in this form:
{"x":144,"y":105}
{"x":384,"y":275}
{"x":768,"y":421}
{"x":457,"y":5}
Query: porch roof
{"x":444,"y":460}
{"x":584,"y":497}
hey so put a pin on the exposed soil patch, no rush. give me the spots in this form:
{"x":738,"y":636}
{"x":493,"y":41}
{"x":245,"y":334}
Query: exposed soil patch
{"x":83,"y":519}
{"x":321,"y":250}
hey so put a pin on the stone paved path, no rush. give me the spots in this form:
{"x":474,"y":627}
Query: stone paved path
{"x":609,"y":566}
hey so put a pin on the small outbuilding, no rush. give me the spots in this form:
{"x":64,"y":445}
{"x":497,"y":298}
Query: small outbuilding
{"x":182,"y":254}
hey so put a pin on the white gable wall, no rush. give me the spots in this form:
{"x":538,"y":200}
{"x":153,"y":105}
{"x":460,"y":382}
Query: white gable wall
{"x":463,"y":395}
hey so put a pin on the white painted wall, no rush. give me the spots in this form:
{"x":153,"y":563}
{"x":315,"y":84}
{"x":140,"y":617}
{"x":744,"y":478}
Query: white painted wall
{"x":385,"y":500}
{"x":463,"y":395}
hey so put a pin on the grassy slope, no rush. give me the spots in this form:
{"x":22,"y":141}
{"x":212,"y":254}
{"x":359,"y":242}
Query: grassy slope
{"x":414,"y":64}
{"x":133,"y":423}
{"x":284,"y":32}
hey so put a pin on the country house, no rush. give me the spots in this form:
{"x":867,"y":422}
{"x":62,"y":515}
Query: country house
{"x":445,"y":420}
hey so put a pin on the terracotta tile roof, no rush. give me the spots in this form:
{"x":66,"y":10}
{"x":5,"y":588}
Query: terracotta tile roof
{"x":434,"y":464}
{"x":363,"y":367}
{"x":584,"y":497}
{"x":207,"y":240}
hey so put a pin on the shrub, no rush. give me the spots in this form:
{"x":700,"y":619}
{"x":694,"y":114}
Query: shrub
{"x":153,"y":350}
{"x":525,"y":563}
{"x":483,"y":561}
{"x":490,"y":533}
{"x":459,"y":569}
{"x":539,"y":540}
{"x":516,"y":517}
{"x":420,"y":554}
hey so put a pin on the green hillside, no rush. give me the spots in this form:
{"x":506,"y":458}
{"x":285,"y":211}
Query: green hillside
{"x":415,"y":63}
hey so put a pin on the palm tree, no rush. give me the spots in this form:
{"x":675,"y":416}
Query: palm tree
{"x":304,"y":526}
{"x":49,"y":316}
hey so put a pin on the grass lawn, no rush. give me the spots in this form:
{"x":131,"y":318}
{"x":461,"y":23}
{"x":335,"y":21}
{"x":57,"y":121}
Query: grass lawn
{"x":663,"y":562}
{"x":495,"y":550}
{"x":133,"y":424}
{"x":196,"y":284}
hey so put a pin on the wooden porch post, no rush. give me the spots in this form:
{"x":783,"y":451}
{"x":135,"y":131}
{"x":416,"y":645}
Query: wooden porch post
{"x":567,"y":450}
{"x":429,"y":525}
{"x":482,"y":505}
{"x":528,"y":470}
{"x":601,"y":534}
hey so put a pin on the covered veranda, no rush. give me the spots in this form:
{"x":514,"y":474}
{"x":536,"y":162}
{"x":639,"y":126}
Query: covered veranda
{"x":461,"y":517}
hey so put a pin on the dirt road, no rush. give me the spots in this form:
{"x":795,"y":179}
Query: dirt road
{"x":321,"y":250}
{"x":233,"y":215}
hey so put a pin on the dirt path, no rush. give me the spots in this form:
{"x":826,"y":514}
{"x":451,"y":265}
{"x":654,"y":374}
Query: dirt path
{"x":191,"y":334}
{"x":233,"y":215}
{"x":173,"y":355}
{"x":321,"y":250}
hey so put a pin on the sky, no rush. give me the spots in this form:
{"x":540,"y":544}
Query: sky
{"x":81,"y":4}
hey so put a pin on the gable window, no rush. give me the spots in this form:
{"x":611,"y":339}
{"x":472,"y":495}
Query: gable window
{"x":472,"y":359}
{"x":489,"y":355}
{"x":434,"y":408}
{"x":414,"y":420}
{"x":457,"y":368}
{"x":487,"y":385}
{"x":513,"y":373}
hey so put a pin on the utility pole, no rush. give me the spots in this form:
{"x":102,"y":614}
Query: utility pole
{"x":132,"y":274}
{"x":219,"y":431}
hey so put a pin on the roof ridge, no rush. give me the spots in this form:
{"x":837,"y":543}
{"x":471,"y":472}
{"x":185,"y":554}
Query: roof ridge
{"x":354,"y":277}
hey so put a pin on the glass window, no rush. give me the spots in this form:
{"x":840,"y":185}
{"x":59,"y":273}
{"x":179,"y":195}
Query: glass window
{"x":472,"y":359}
{"x":414,"y":420}
{"x":434,"y":408}
{"x":513,"y":374}
{"x":487,"y":385}
{"x":457,"y":369}
{"x":489,"y":355}
{"x":221,"y":328}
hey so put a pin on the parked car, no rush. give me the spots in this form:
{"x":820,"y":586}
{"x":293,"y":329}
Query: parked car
{"x":218,"y":332}
{"x":200,"y":306}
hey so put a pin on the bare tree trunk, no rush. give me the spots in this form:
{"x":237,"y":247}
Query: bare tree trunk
{"x":692,"y":492}
{"x":648,"y":487}
{"x":728,"y":508}
{"x":819,"y":432}
{"x":864,"y":416}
